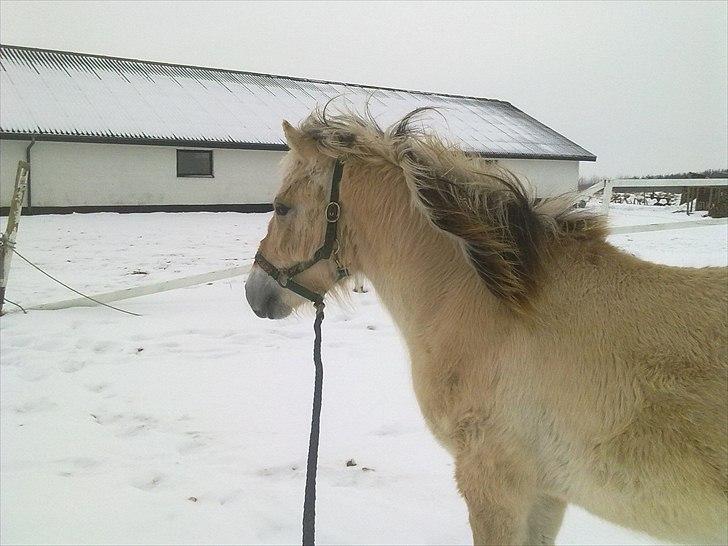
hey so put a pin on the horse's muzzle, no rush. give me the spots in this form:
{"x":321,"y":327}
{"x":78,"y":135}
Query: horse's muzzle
{"x":264,"y":295}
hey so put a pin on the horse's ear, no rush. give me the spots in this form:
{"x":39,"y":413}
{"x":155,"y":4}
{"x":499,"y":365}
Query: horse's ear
{"x":297,"y":140}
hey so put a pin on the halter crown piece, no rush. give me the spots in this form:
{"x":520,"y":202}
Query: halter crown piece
{"x":284,"y":277}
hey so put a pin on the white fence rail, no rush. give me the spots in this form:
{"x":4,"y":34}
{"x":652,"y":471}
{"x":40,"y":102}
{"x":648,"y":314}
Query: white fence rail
{"x":665,"y":226}
{"x":146,"y":289}
{"x":193,"y":280}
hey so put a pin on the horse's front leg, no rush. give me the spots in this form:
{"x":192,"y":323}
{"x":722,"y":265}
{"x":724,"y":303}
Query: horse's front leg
{"x":544,"y":520}
{"x":499,"y":493}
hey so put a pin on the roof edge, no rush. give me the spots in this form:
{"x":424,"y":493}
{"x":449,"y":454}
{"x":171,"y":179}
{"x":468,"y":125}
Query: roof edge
{"x":274,"y":147}
{"x":594,"y":157}
{"x":183,"y":143}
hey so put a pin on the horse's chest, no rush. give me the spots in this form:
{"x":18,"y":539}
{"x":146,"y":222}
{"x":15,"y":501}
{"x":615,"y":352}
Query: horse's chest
{"x":444,"y":389}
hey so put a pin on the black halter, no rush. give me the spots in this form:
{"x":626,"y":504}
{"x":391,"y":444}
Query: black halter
{"x":284,"y":277}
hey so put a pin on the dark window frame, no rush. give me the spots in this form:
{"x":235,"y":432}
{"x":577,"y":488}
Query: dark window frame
{"x":195,"y":175}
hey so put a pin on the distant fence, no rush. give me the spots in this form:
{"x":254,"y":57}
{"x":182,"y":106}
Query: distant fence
{"x":666,"y":226}
{"x":638,"y":183}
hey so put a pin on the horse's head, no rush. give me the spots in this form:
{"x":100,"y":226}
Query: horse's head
{"x":296,"y":230}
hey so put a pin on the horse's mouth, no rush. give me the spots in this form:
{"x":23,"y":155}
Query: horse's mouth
{"x":272,"y":308}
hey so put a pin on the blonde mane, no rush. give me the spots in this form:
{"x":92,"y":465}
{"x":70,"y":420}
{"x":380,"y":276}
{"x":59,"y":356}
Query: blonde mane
{"x":505,"y":232}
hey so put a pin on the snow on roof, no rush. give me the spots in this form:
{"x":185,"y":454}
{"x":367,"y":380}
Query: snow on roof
{"x":73,"y":96}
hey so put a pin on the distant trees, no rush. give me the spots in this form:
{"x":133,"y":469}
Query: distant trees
{"x":586,"y":181}
{"x":710,"y":173}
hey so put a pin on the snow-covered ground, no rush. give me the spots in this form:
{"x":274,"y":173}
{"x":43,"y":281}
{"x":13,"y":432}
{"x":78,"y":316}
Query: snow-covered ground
{"x":189,"y":424}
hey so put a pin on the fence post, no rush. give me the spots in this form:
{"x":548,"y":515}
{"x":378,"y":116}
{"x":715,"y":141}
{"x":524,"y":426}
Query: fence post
{"x":606,"y":196}
{"x":7,"y":239}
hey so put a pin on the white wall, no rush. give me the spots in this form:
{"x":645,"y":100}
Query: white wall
{"x":76,"y":174}
{"x":549,"y":177}
{"x":11,"y":151}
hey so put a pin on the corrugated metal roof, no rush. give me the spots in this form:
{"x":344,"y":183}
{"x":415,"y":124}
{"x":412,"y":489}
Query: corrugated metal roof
{"x":65,"y":96}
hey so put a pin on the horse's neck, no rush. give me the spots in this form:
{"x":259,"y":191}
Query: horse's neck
{"x":419,"y":273}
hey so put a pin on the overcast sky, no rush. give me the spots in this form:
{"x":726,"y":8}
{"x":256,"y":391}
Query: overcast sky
{"x":641,"y":85}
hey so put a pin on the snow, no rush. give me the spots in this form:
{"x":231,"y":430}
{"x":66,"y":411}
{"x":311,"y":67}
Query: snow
{"x":189,"y":425}
{"x":68,"y":93}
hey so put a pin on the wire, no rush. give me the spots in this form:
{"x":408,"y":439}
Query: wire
{"x":6,"y":300}
{"x":26,"y":260}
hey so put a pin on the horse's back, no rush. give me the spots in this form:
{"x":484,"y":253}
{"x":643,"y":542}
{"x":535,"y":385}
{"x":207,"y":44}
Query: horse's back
{"x":653,"y":451}
{"x":677,"y":438}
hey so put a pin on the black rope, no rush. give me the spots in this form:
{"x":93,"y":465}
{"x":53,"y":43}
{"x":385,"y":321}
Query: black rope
{"x":6,"y":300}
{"x":309,"y":502}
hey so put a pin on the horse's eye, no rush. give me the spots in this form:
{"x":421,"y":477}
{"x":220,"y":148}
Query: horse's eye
{"x":281,"y":209}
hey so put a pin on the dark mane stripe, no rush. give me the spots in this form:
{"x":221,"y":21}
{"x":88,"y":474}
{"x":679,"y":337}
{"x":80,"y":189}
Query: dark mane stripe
{"x":505,"y":254}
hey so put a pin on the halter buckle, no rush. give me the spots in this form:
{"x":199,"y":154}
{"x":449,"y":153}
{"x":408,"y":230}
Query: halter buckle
{"x":333,"y":211}
{"x":283,"y":280}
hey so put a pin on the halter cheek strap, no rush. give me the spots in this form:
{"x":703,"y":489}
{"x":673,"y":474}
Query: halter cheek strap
{"x":285,"y":277}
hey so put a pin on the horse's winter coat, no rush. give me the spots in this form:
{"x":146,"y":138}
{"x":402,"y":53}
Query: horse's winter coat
{"x":554,"y":367}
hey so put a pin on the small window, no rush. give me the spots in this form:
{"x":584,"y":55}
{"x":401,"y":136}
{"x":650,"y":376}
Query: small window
{"x":194,"y":163}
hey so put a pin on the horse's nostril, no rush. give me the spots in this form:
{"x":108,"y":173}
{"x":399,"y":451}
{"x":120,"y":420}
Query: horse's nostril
{"x":260,"y":312}
{"x":268,"y":306}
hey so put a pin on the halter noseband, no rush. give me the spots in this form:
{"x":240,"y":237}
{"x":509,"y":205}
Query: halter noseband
{"x":284,"y":277}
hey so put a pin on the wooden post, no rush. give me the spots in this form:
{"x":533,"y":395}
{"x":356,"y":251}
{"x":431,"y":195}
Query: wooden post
{"x":7,"y":239}
{"x":606,"y":196}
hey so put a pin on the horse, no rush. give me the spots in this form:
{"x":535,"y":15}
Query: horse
{"x":554,"y":367}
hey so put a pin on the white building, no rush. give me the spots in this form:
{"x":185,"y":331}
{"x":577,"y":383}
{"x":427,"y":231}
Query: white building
{"x":105,"y":133}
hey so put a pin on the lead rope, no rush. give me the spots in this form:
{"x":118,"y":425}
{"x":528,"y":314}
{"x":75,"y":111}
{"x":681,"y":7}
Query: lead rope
{"x":309,"y":502}
{"x":284,"y":277}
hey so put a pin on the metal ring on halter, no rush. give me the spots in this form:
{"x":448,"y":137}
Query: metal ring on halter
{"x":333,"y":211}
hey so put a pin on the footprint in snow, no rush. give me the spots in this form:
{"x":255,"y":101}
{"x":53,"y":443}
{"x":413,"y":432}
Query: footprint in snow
{"x":146,"y":483}
{"x":20,"y":341}
{"x":280,"y":471}
{"x":140,"y":424}
{"x":103,"y":346}
{"x":31,"y":373}
{"x":72,"y":366}
{"x":133,"y":431}
{"x":47,"y":344}
{"x":97,"y":388}
{"x":392,"y":430}
{"x":287,"y":334}
{"x":75,"y":465}
{"x":33,"y":376}
{"x":197,"y":441}
{"x":35,"y":406}
{"x":189,"y":447}
{"x":104,"y":419}
{"x":230,"y":497}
